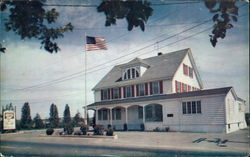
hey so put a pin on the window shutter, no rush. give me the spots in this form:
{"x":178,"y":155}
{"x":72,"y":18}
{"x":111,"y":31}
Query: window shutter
{"x":108,"y":93}
{"x":146,"y":88}
{"x":120,"y":92}
{"x":101,"y":94}
{"x":189,"y":88}
{"x":161,"y":86}
{"x":112,"y":93}
{"x":124,"y":92}
{"x":182,"y":87}
{"x":176,"y":86}
{"x":133,"y":90}
{"x":151,"y":88}
{"x":137,"y":90}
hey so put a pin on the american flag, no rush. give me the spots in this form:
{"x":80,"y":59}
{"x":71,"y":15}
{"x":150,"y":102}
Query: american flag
{"x":95,"y":43}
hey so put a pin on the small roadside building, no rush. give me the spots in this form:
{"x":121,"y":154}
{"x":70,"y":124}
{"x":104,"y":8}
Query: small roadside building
{"x":165,"y":91}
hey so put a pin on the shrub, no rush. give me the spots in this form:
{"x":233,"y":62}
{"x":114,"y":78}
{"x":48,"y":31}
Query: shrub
{"x":110,"y":132}
{"x":84,"y":128}
{"x":109,"y":126}
{"x":142,"y":127}
{"x":125,"y":127}
{"x":167,"y":129}
{"x":68,"y":129}
{"x":50,"y":131}
{"x":79,"y":132}
{"x":99,"y":130}
{"x":114,"y":128}
{"x":157,"y":129}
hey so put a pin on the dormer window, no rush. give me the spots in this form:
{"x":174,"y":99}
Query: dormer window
{"x":131,"y":73}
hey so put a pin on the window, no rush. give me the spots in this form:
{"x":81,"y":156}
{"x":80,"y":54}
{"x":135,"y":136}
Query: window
{"x":105,"y":115}
{"x":185,"y":88}
{"x":198,"y":106}
{"x":178,"y":87}
{"x":131,"y":73}
{"x":140,"y":112}
{"x":184,"y":109}
{"x":116,"y":93}
{"x":128,"y":91}
{"x":128,"y":73}
{"x":105,"y":94}
{"x":141,"y":89}
{"x":137,"y":73}
{"x":149,"y":112}
{"x":118,"y":114}
{"x":99,"y":114}
{"x":185,"y":69}
{"x":190,"y":72}
{"x":191,"y":107}
{"x":156,"y":88}
{"x":154,"y":113}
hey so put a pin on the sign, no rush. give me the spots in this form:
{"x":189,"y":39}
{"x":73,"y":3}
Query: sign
{"x":9,"y":120}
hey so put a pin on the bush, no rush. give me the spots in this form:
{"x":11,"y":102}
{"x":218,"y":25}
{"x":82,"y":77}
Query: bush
{"x":110,"y":132}
{"x":157,"y":129}
{"x":142,"y":127}
{"x":99,"y":130}
{"x":79,"y":132}
{"x":68,"y":129}
{"x":167,"y":129}
{"x":109,"y":126}
{"x":84,"y":128}
{"x":125,"y":127}
{"x":50,"y":131}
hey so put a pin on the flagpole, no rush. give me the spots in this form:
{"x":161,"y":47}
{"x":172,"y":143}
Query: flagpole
{"x":85,"y":79}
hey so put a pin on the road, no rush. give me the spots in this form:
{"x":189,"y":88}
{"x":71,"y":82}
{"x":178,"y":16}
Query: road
{"x":128,"y":144}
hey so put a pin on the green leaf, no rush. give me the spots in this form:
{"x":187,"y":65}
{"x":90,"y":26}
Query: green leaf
{"x":210,"y":4}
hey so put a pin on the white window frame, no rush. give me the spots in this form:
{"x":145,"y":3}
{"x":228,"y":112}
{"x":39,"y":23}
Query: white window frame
{"x":158,"y":87}
{"x":185,"y":111}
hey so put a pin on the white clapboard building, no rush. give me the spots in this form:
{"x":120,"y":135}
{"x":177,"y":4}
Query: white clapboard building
{"x":165,"y":91}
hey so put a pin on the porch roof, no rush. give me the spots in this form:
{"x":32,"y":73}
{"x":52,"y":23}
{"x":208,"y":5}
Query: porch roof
{"x":204,"y":92}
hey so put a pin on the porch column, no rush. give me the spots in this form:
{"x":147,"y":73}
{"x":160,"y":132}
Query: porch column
{"x":110,"y":116}
{"x":126,"y":115}
{"x":143,"y":114}
{"x":96,"y":116}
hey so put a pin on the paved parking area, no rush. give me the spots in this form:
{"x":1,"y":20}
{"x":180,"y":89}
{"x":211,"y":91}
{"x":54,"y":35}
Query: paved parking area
{"x":178,"y":141}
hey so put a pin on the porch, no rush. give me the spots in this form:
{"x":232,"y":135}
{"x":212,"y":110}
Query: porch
{"x":135,"y":117}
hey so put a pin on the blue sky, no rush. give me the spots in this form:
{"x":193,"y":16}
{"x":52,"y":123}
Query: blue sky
{"x":24,"y":64}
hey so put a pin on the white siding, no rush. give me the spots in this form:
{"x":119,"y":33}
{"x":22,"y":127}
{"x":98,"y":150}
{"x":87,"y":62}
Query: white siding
{"x":167,"y":87}
{"x":235,"y":118}
{"x":180,"y":77}
{"x":97,"y":95}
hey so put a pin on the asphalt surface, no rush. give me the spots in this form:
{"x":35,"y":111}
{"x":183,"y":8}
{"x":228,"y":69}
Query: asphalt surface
{"x":35,"y":143}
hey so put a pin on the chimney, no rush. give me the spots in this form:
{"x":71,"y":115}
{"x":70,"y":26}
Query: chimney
{"x":159,"y":53}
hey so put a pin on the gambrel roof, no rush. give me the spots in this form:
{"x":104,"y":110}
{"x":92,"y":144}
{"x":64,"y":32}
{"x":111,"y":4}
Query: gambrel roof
{"x":162,"y":67}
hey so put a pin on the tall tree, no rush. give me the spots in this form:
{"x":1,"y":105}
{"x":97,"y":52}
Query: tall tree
{"x":66,"y":115}
{"x":38,"y":121}
{"x":136,"y":12}
{"x":54,"y":119}
{"x":29,"y":19}
{"x":26,"y":120}
{"x":78,"y":119}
